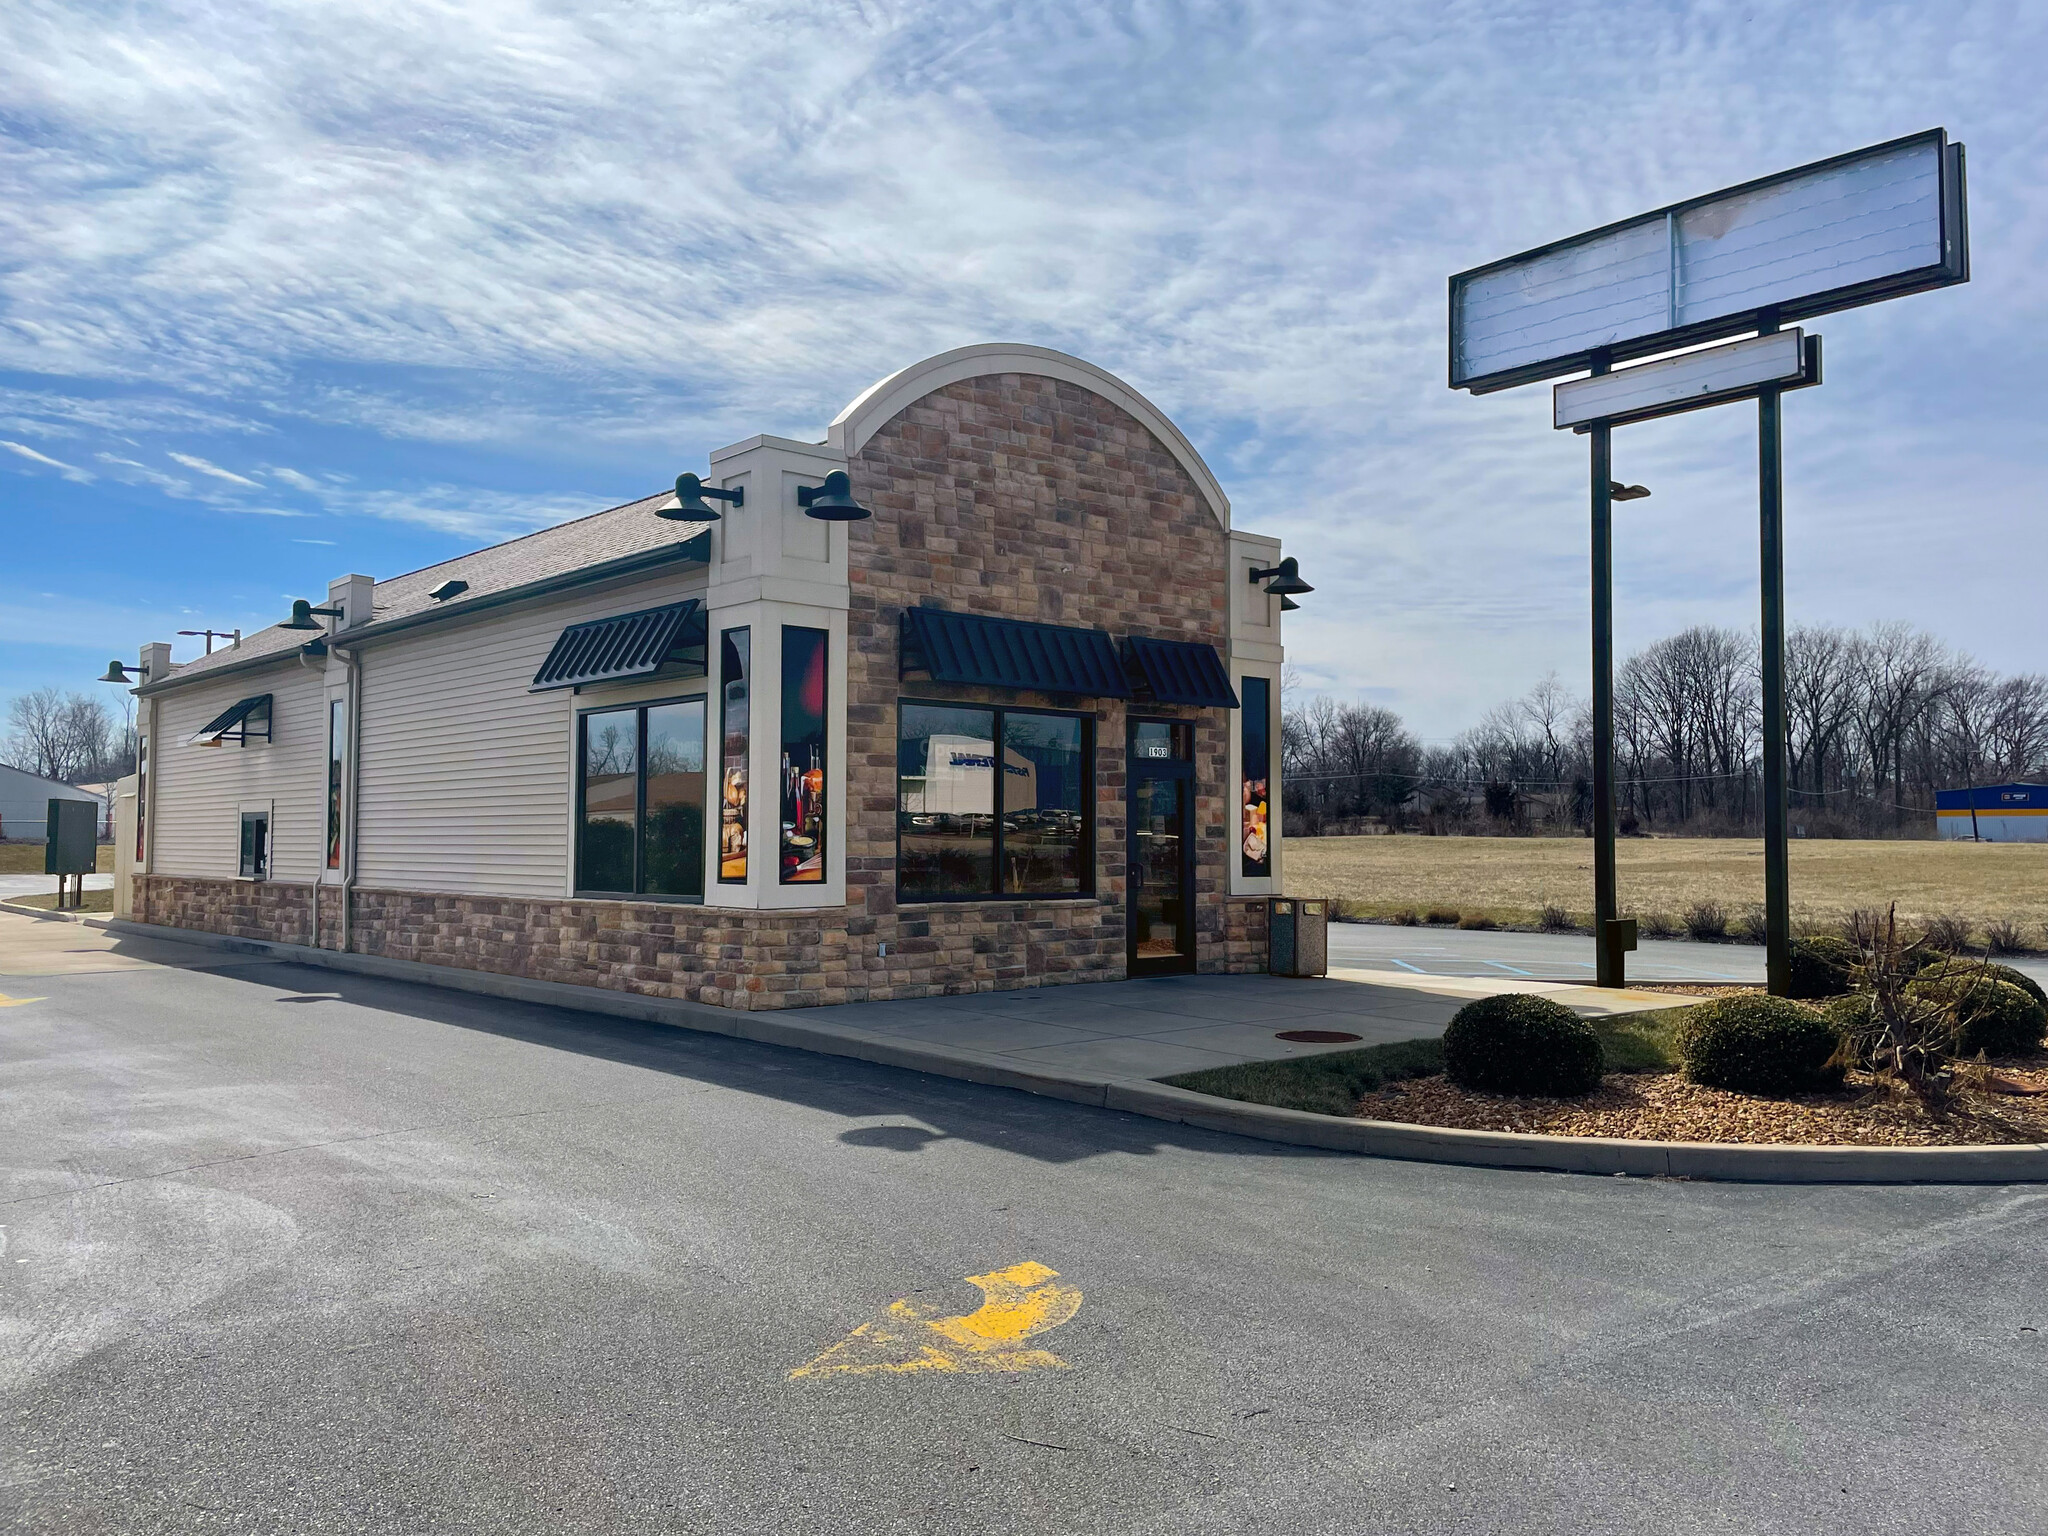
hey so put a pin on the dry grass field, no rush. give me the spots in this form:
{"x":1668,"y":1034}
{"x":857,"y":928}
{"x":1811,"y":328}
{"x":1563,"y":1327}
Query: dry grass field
{"x":1510,"y":879}
{"x":27,"y":859}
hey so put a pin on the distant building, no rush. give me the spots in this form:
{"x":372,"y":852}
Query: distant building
{"x":25,"y":804}
{"x":2004,"y":813}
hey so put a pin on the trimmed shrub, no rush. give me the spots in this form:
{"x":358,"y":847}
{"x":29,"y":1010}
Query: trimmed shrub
{"x":1554,"y":919}
{"x":1993,"y":1016}
{"x":1821,"y":966}
{"x":1942,"y":970}
{"x":1752,"y":927}
{"x":1475,"y":920}
{"x":1758,"y":1044}
{"x":1659,"y":925}
{"x":1406,"y":917}
{"x":1441,"y":915}
{"x":1520,"y":1043}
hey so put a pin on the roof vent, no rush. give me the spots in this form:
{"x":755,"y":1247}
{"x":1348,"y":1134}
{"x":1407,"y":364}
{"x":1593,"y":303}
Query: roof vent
{"x":448,"y":589}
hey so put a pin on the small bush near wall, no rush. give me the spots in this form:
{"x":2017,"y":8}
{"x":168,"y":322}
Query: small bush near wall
{"x":1758,"y":1044}
{"x":1521,"y":1043}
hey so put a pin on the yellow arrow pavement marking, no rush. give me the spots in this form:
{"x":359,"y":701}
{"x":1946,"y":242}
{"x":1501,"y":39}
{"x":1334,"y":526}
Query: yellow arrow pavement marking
{"x":1017,"y":1303}
{"x":16,"y":1002}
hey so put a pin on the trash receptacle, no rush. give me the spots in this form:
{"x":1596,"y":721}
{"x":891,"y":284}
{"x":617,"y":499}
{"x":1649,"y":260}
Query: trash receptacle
{"x":1298,"y":937}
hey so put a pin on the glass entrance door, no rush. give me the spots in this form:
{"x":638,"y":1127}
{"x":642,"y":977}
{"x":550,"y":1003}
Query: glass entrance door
{"x":1162,"y":847}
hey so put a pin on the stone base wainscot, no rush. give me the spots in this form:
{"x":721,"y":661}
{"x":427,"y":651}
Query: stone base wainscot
{"x":727,"y":958}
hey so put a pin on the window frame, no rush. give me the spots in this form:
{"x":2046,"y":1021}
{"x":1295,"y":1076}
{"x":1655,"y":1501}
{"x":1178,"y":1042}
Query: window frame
{"x":639,"y":707}
{"x":1088,"y":803}
{"x":245,"y":815}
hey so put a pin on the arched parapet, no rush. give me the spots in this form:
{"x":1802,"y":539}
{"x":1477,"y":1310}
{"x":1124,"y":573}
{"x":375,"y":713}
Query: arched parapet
{"x":876,"y":406}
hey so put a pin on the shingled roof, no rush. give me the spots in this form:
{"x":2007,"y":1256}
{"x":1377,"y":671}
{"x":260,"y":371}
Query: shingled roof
{"x":603,"y":538}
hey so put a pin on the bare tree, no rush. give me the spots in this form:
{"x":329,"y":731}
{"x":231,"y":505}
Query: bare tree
{"x":64,"y":736}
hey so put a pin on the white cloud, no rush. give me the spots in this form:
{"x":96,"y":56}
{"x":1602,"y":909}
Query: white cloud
{"x":193,"y":461}
{"x":68,"y":471}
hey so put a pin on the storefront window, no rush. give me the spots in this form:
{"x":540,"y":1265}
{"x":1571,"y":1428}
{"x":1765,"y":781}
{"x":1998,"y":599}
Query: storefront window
{"x":611,"y":801}
{"x":640,"y":801}
{"x":141,"y":798}
{"x":966,"y":828}
{"x":1045,"y":794}
{"x":945,"y":802}
{"x":337,"y":723}
{"x":1256,"y":763}
{"x":804,"y":653}
{"x":735,"y":664}
{"x":672,"y":858}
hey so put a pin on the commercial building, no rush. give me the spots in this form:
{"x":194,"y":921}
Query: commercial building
{"x":749,"y":754}
{"x":1993,"y":813}
{"x":25,"y":803}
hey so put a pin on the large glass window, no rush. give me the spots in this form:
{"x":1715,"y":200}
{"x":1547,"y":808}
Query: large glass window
{"x":640,"y":800}
{"x":803,"y":755}
{"x":945,"y":802}
{"x":337,"y":724}
{"x":672,"y":853}
{"x":992,"y":802}
{"x":734,"y":676}
{"x":1255,"y":720}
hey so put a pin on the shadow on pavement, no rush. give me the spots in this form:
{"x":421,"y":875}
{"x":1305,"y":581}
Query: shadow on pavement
{"x":1045,"y":1129}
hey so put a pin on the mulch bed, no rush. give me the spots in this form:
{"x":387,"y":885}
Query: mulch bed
{"x":1662,"y":1106}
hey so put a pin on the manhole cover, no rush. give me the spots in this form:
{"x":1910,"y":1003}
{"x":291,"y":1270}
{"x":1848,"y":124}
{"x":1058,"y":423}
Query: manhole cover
{"x":1316,"y":1036}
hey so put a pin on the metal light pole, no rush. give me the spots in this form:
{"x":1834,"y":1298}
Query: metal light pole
{"x":1608,"y":964}
{"x":1771,"y":542}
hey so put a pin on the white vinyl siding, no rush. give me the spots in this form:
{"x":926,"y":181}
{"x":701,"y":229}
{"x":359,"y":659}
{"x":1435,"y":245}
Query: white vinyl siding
{"x":197,"y":793}
{"x":466,"y":777}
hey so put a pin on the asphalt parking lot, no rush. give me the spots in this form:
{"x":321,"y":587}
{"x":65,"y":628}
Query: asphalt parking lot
{"x":287,"y":1250}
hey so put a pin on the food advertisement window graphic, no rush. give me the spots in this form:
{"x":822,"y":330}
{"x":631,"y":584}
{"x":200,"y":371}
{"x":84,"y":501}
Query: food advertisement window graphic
{"x":735,"y":668}
{"x":1256,"y":720}
{"x":803,"y":756}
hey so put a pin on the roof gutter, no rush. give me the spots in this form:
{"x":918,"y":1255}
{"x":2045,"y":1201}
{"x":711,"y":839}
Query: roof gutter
{"x":697,"y":550}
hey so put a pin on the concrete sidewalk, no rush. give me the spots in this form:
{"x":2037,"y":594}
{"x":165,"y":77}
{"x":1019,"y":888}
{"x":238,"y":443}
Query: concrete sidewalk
{"x":1166,"y":1025}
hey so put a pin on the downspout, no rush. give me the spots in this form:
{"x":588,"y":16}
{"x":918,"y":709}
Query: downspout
{"x":351,"y":790}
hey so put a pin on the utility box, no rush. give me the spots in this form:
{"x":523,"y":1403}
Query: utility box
{"x":1298,"y":937}
{"x":72,"y":843}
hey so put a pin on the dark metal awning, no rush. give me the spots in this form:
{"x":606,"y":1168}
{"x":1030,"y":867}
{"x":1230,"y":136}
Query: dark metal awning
{"x":247,"y":718}
{"x":1009,"y":653}
{"x":626,"y":646}
{"x":1179,"y":672}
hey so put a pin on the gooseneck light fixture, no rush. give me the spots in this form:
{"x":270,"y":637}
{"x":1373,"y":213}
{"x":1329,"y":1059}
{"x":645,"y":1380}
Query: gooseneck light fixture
{"x":833,"y":501}
{"x":303,"y":613}
{"x":691,"y":505}
{"x":1286,"y":579}
{"x":118,"y":673}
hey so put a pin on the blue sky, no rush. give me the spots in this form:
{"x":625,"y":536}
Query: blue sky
{"x":297,"y":290}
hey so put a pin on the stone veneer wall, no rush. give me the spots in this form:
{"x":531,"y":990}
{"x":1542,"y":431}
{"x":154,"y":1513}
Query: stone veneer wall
{"x":1011,"y":495}
{"x":729,"y":959}
{"x":279,"y":910}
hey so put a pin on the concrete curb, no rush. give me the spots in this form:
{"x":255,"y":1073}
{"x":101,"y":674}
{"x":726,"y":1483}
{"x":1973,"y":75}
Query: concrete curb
{"x":1730,"y":1161}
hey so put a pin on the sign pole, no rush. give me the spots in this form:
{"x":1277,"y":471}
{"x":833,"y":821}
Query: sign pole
{"x":1771,"y":542}
{"x":1607,"y":954}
